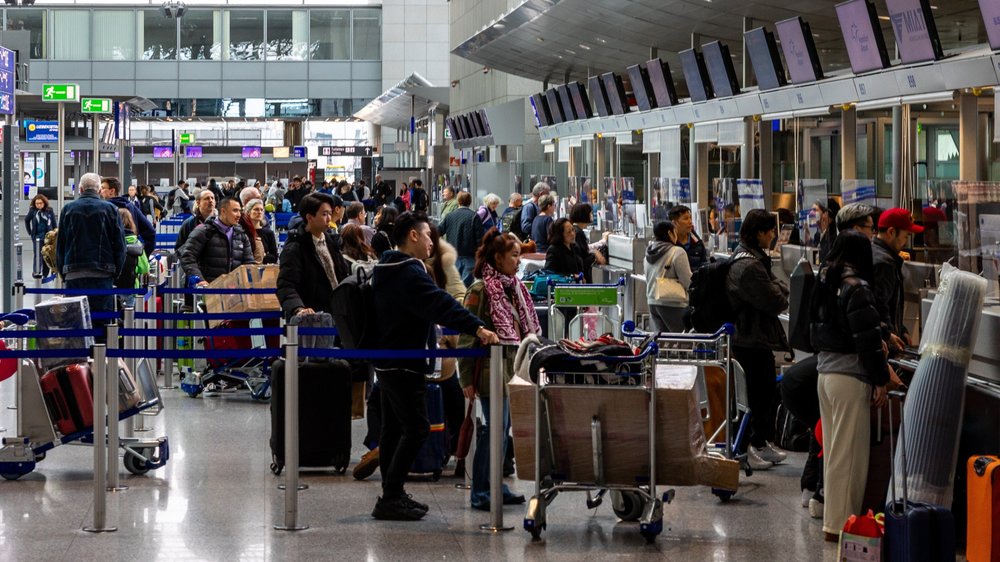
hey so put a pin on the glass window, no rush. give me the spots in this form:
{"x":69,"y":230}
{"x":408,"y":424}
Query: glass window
{"x":246,"y":34}
{"x":33,"y":21}
{"x":71,"y":34}
{"x":114,"y":35}
{"x":201,"y":31}
{"x":329,"y":34}
{"x":367,"y":35}
{"x":158,"y":36}
{"x":287,"y":34}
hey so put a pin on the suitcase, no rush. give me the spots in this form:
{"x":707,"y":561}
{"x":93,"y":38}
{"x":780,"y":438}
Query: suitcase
{"x":223,"y":343}
{"x":879,"y":459}
{"x":324,"y":415}
{"x":915,"y":531}
{"x":314,"y":320}
{"x":434,"y":454}
{"x":69,"y":396}
{"x":983,"y":534}
{"x":128,"y":391}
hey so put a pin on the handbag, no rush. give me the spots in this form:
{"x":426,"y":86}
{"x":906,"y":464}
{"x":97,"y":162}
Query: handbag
{"x":468,"y":424}
{"x":668,"y":288}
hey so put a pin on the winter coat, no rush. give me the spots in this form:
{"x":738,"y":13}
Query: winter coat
{"x":463,"y":230}
{"x":453,"y":279}
{"x":270,"y":241}
{"x":563,"y":259}
{"x":39,"y":223}
{"x":188,"y":226}
{"x":144,"y":228}
{"x":489,"y":218}
{"x":696,"y":252}
{"x":757,"y":298}
{"x":302,"y":283}
{"x":664,"y":259}
{"x":209,"y":254}
{"x":888,"y":287}
{"x":477,"y":303}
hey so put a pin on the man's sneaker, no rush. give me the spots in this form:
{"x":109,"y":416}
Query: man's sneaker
{"x":770,"y":453}
{"x":806,"y":496}
{"x":755,"y":461}
{"x":367,"y":465}
{"x":396,"y":509}
{"x":815,"y":508}
{"x":407,"y":499}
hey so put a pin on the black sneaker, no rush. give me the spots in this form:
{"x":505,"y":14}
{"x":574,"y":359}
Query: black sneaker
{"x":396,"y":509}
{"x":408,"y":500}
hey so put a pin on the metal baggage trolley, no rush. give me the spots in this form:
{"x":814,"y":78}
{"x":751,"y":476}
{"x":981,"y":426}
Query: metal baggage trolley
{"x":709,"y":350}
{"x":597,"y":304}
{"x":632,"y":501}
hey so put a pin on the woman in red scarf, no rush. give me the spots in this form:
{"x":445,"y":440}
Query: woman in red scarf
{"x":500,"y":299}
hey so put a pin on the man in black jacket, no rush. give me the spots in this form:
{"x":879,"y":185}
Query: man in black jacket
{"x":408,"y":304}
{"x":203,"y":211}
{"x":383,"y":192}
{"x":311,"y":264}
{"x":894,"y":229}
{"x":218,"y":246}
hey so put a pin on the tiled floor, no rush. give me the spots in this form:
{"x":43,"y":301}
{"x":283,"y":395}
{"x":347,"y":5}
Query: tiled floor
{"x":217,"y":500}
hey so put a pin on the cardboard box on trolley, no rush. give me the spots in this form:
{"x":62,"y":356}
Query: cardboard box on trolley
{"x":250,"y":276}
{"x":682,"y":457}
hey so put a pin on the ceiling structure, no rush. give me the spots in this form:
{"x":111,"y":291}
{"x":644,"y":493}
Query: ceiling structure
{"x":557,"y":41}
{"x":413,"y":96}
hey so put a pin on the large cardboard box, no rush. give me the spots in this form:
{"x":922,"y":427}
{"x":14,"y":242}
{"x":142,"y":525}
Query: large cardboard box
{"x":682,"y":457}
{"x":258,"y":277}
{"x":221,"y":303}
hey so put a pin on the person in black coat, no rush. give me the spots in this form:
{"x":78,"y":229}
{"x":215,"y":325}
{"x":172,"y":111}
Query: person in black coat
{"x":218,"y":246}
{"x":304,"y":284}
{"x":562,"y":256}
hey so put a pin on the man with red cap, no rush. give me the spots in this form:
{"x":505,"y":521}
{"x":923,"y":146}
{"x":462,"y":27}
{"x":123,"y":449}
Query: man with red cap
{"x":894,"y":229}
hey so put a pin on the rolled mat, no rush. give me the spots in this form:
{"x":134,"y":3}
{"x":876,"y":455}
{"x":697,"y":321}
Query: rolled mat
{"x":935,"y":401}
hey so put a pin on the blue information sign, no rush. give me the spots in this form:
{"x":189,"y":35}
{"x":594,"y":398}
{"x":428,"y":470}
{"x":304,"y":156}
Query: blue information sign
{"x":41,"y":131}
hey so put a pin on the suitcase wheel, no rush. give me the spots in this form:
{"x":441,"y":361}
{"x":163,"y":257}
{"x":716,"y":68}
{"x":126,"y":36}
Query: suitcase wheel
{"x":436,"y":475}
{"x":136,"y":465}
{"x":277,"y":467}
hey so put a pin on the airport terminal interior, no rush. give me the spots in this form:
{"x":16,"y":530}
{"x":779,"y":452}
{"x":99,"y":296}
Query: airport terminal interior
{"x":657,"y":191}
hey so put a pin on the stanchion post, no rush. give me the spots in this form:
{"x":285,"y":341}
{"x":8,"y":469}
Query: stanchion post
{"x":19,"y":375}
{"x":99,"y":524}
{"x":128,"y":323}
{"x":168,"y":342}
{"x":497,"y":430}
{"x":291,"y":522}
{"x":112,"y":405}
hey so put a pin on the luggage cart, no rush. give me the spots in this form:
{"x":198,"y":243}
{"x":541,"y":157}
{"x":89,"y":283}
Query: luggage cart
{"x":598,"y":305}
{"x":632,"y":501}
{"x":37,"y":434}
{"x":710,"y":350}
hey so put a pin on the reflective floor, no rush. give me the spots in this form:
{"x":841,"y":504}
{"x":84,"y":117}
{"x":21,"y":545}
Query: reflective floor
{"x":217,"y":500}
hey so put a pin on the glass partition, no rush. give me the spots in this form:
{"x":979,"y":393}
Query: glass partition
{"x":157,"y":36}
{"x":201,"y":31}
{"x":245,"y":30}
{"x":287,"y":34}
{"x":329,"y":34}
{"x":114,"y":35}
{"x":609,"y":214}
{"x":71,"y":34}
{"x":367,"y":34}
{"x":32,"y":20}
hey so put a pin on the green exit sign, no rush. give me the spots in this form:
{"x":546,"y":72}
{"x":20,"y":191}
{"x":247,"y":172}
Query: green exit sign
{"x":95,"y":105}
{"x":60,"y":92}
{"x":187,"y":138}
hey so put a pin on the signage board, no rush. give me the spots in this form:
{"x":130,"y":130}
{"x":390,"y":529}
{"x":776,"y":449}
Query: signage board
{"x":60,"y":92}
{"x":41,"y":131}
{"x":95,"y":105}
{"x":345,"y":151}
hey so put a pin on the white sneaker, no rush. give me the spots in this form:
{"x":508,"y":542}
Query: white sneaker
{"x":806,"y":496}
{"x":770,"y":453}
{"x":755,"y":461}
{"x":815,"y":508}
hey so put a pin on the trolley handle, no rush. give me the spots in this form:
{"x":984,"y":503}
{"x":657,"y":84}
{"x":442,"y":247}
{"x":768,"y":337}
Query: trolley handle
{"x":629,"y":331}
{"x":19,"y":317}
{"x":651,"y":349}
{"x":579,"y":279}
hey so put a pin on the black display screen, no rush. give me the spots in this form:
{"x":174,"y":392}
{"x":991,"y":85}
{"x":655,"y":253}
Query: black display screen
{"x":617,"y":101}
{"x":541,"y":106}
{"x":764,"y":58}
{"x":720,"y":69}
{"x":555,"y":106}
{"x":696,"y":75}
{"x":800,"y":50}
{"x":662,"y":82}
{"x":567,"y":102}
{"x":641,"y":88}
{"x":466,"y":127}
{"x":477,"y":128}
{"x":581,"y":102}
{"x":484,"y":122}
{"x":600,"y":96}
{"x":450,"y":124}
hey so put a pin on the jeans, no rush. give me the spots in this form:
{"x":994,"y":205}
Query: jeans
{"x":98,"y":303}
{"x":454,"y":409}
{"x":481,"y":463}
{"x":466,"y":268}
{"x":404,"y":427}
{"x":40,"y":268}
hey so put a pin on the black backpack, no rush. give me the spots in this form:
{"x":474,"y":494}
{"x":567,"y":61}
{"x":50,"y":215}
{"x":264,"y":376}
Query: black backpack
{"x":352,"y":305}
{"x":801,"y":285}
{"x":707,"y":296}
{"x":126,"y":279}
{"x":512,"y":224}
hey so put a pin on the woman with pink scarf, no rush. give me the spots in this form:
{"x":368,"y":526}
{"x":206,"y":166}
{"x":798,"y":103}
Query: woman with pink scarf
{"x":500,"y":299}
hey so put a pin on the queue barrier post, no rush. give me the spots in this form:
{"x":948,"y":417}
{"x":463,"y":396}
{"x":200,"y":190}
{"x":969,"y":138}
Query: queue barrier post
{"x":291,"y":346}
{"x":129,"y":342}
{"x":111,"y":392}
{"x":497,"y":431}
{"x":99,"y":524}
{"x":169,"y":342}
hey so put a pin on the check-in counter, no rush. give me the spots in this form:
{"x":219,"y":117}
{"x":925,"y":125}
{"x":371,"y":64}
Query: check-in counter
{"x":625,"y":257}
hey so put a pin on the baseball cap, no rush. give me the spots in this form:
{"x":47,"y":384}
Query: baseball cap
{"x":853,"y":212}
{"x":900,"y":219}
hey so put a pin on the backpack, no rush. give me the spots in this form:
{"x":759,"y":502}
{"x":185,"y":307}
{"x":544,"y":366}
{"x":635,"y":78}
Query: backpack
{"x":351,"y":306}
{"x":709,"y":304}
{"x":801,"y":285}
{"x":126,"y":279}
{"x":540,"y":285}
{"x":511,"y":223}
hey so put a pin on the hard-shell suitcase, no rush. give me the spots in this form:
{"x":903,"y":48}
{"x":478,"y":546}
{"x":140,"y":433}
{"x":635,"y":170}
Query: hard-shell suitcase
{"x":324,"y":415}
{"x":128,"y":391}
{"x":314,"y":320}
{"x":434,"y":454}
{"x":983,"y":534}
{"x":69,"y":396}
{"x":915,"y":531}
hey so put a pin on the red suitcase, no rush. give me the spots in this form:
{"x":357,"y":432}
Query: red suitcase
{"x":69,"y":396}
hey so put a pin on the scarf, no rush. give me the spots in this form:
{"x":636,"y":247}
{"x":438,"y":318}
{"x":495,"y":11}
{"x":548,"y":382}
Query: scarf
{"x":497,"y":284}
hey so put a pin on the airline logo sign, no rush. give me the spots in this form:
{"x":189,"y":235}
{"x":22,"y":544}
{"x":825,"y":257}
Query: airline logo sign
{"x":60,"y":92}
{"x":95,"y":105}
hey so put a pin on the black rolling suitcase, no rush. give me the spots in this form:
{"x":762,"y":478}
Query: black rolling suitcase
{"x":324,"y":415}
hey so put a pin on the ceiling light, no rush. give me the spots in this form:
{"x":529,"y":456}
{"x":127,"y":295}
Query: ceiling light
{"x":540,"y":40}
{"x":570,"y":51}
{"x":884,"y":18}
{"x":602,"y":41}
{"x":584,"y":47}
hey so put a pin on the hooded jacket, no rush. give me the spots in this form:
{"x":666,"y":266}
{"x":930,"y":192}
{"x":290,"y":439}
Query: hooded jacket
{"x":888,"y":286}
{"x":407,"y":305}
{"x":302,"y":283}
{"x":453,"y":279}
{"x":664,"y":259}
{"x":757,"y":298}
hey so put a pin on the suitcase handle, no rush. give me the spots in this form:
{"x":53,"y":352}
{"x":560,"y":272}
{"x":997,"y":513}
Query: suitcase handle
{"x":980,"y":465}
{"x":892,"y":453}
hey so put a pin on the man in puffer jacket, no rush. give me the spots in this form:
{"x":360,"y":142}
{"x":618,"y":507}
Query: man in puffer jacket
{"x":218,"y":246}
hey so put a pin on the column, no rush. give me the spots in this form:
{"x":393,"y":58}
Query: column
{"x":848,"y":144}
{"x":968,"y":126}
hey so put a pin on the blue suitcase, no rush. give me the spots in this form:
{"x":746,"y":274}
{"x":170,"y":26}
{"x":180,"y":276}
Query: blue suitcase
{"x":915,"y":531}
{"x":434,"y":454}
